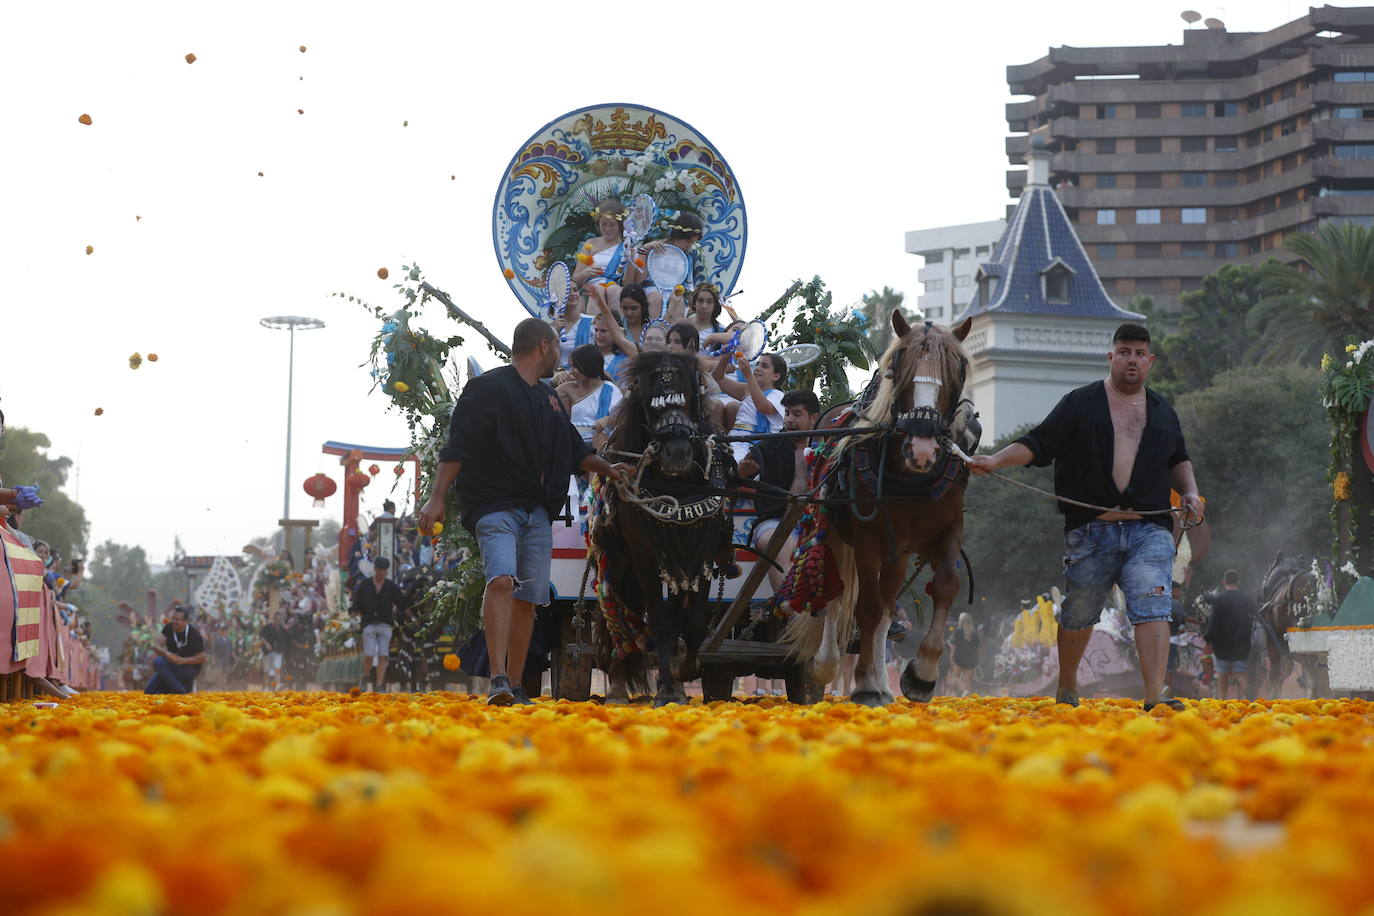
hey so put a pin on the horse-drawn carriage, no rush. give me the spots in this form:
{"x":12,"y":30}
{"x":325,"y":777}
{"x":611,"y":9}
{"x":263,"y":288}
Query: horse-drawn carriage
{"x":889,"y":484}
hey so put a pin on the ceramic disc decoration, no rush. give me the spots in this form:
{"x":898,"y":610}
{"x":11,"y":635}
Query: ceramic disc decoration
{"x":545,"y":203}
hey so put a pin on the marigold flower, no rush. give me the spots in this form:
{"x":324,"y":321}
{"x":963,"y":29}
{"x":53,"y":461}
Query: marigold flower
{"x":99,"y":411}
{"x":508,"y":274}
{"x":190,"y":58}
{"x":85,"y":119}
{"x":452,"y":662}
{"x":1340,"y":486}
{"x":584,"y":258}
{"x":135,"y":361}
{"x":90,"y":249}
{"x":438,"y":529}
{"x":383,"y":272}
{"x":302,"y":49}
{"x":152,"y":357}
{"x":401,"y":387}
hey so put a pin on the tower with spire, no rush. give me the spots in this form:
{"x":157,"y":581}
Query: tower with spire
{"x":1042,"y":321}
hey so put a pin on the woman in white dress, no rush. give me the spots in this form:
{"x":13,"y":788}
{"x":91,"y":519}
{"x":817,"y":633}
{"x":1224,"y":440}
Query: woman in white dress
{"x":589,"y":396}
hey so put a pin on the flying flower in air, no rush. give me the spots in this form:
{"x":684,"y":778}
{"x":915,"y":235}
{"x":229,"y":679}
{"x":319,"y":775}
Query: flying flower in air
{"x":152,"y":357}
{"x":90,"y":249}
{"x":383,"y":272}
{"x":135,"y":361}
{"x":85,"y":119}
{"x":190,"y":58}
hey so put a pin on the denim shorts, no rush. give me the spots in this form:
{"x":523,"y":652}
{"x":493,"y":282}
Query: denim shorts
{"x":1222,"y":666}
{"x":377,"y":640}
{"x":518,"y":543}
{"x":1136,"y":555}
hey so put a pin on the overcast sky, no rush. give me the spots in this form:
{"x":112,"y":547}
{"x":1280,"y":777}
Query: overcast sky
{"x":846,"y":124}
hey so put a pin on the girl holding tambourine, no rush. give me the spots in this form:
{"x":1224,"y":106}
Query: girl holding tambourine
{"x":602,"y":261}
{"x":685,"y":232}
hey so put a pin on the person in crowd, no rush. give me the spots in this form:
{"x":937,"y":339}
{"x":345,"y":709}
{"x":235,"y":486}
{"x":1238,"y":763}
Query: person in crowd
{"x":686,"y":231}
{"x":1228,"y":630}
{"x":589,"y":397}
{"x":704,"y":313}
{"x":273,"y":638}
{"x":180,"y":654}
{"x":511,"y":448}
{"x":602,"y":260}
{"x":634,"y":312}
{"x":655,"y":335}
{"x":760,"y":408}
{"x":682,"y":338}
{"x":1121,"y":418}
{"x":376,"y":601}
{"x":964,"y":645}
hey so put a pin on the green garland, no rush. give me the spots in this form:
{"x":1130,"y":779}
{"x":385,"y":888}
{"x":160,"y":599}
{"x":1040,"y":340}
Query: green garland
{"x":1347,"y":386}
{"x":842,"y":336}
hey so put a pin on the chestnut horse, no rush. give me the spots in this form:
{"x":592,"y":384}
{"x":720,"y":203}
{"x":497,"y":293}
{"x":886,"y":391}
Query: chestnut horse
{"x":907,"y":487}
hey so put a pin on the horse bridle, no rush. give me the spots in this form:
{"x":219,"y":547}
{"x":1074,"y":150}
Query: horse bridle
{"x":926,"y":422}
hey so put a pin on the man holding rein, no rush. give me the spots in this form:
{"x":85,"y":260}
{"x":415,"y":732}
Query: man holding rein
{"x":511,"y":448}
{"x":1113,"y":443}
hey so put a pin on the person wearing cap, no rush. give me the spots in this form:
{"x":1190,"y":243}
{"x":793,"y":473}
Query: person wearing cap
{"x":376,"y":600}
{"x":589,"y":396}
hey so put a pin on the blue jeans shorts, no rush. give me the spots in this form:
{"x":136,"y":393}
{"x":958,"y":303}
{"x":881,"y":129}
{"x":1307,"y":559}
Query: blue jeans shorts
{"x":1222,"y":666}
{"x":1136,"y":555}
{"x":518,"y":543}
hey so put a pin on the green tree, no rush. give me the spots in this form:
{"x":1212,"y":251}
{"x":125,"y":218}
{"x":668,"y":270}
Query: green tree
{"x":114,"y":573}
{"x":1258,"y":438}
{"x":878,"y":308}
{"x":1013,"y":538}
{"x":1213,"y":332}
{"x":60,"y":520}
{"x":1314,"y":309}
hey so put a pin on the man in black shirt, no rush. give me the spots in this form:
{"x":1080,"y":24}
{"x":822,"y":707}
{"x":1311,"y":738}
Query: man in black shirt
{"x":180,"y":653}
{"x":781,"y":463}
{"x":1115,"y":444}
{"x":1228,"y":630}
{"x":511,"y":448}
{"x":376,"y":600}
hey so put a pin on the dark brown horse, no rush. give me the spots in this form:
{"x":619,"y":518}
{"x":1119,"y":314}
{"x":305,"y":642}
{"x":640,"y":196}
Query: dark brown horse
{"x":907,"y":487}
{"x":1283,"y":599}
{"x":647,"y":542}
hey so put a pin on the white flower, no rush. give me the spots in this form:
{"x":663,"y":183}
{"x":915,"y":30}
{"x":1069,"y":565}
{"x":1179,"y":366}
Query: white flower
{"x":684,"y":179}
{"x":348,"y":643}
{"x":634,"y":168}
{"x":1349,"y":570}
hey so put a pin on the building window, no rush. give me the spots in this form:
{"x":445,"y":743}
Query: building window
{"x":1347,"y":113}
{"x":1225,"y":145}
{"x":935,"y":257}
{"x":1225,"y":180}
{"x":1106,"y":251}
{"x":1147,"y":145}
{"x":1193,"y":109}
{"x":1353,"y":76}
{"x":1148,"y":250}
{"x":962,"y":280}
{"x":1107,"y":145}
{"x":935,"y":311}
{"x":1194,"y":214}
{"x":1288,"y":91}
{"x":1106,"y":111}
{"x":1147,"y":110}
{"x":1193,"y":144}
{"x":1226,"y":109}
{"x":935,"y":286}
{"x":1148,"y":181}
{"x":1106,"y":181}
{"x":1147,"y":217}
{"x":1227,"y":249}
{"x":1056,"y":278}
{"x":1354,"y":150}
{"x":960,"y":253}
{"x":1194,"y":249}
{"x":983,"y":250}
{"x":1106,"y":217}
{"x":1288,"y":127}
{"x":1194,"y":179}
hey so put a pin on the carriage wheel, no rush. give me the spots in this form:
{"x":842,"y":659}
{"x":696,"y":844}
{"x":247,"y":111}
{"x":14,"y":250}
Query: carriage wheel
{"x":717,"y":683}
{"x":570,"y":677}
{"x":801,"y":687}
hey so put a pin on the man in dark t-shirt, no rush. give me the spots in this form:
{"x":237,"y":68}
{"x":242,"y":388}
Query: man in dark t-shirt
{"x":1228,"y":630}
{"x":180,"y":653}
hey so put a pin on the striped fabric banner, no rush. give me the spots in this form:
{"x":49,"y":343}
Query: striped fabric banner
{"x":25,"y":589}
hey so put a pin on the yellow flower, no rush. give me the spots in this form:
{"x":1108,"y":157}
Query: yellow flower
{"x":135,"y":361}
{"x":1326,"y":362}
{"x":437,"y":529}
{"x":1351,"y":348}
{"x":401,"y":387}
{"x":1340,"y":487}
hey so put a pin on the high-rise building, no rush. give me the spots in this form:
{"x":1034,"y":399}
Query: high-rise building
{"x":1174,"y":160}
{"x":952,"y":255}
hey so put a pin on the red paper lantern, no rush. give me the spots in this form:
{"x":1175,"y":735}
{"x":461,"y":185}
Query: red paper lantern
{"x":357,"y":479}
{"x":374,"y":470}
{"x":399,"y":469}
{"x":320,"y":487}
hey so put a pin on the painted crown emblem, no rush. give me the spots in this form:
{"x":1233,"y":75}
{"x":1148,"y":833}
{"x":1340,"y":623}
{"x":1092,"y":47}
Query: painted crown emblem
{"x":620,"y":133}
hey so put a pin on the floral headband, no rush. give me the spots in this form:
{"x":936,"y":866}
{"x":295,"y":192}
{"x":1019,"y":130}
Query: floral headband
{"x":653,"y":323}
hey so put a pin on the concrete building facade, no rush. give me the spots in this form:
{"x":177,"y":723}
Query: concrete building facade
{"x":952,"y":255}
{"x":1042,"y":319}
{"x":1174,"y":160}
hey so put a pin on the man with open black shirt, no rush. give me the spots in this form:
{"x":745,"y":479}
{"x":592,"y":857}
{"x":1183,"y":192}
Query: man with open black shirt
{"x":1228,"y":630}
{"x":1113,"y":444}
{"x":511,"y":448}
{"x":180,"y":653}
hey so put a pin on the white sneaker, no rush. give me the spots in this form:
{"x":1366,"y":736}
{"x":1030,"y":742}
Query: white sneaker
{"x":69,"y":691}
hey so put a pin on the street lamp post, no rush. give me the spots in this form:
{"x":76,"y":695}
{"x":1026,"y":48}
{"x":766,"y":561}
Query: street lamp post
{"x":290,"y":323}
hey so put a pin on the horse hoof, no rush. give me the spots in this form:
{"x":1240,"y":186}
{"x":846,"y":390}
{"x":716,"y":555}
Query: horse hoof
{"x":663,"y":699}
{"x":616,"y":698}
{"x":915,"y":689}
{"x":869,"y":698}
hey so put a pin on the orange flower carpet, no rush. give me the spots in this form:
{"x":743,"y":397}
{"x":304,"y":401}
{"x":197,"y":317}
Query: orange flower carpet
{"x":436,"y":804}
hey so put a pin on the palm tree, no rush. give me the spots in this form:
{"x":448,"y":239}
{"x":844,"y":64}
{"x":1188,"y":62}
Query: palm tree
{"x":1312,"y":311}
{"x":879,"y":306}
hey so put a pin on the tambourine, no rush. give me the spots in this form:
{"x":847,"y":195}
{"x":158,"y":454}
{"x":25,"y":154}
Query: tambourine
{"x":639,"y":222}
{"x":799,"y":355}
{"x":557,"y":287}
{"x":668,"y":266}
{"x":750,"y":340}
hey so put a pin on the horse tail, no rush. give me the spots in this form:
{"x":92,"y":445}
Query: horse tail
{"x":820,"y":640}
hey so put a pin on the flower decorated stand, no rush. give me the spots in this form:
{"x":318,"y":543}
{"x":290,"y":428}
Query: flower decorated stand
{"x":1344,"y":643}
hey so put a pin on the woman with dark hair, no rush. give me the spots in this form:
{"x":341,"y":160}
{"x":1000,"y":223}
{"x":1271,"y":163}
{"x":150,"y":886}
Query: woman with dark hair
{"x":705,"y":311}
{"x":589,"y":397}
{"x":683,"y":338}
{"x":685,"y":231}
